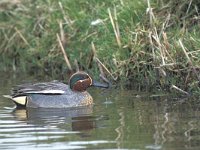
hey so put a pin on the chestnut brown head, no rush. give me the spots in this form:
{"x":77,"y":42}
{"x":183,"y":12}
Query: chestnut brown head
{"x":80,"y":81}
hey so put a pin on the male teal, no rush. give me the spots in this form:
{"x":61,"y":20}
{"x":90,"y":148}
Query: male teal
{"x":56,"y":94}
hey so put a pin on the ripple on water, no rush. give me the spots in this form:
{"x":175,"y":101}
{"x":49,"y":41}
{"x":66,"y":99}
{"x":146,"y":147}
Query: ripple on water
{"x":17,"y":129}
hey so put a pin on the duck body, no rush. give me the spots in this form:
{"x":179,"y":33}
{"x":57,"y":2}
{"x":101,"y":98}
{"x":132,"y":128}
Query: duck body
{"x":49,"y":95}
{"x":55,"y":94}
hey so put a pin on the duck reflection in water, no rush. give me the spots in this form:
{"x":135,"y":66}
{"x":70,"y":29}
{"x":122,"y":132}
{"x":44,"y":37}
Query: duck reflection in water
{"x":76,"y":119}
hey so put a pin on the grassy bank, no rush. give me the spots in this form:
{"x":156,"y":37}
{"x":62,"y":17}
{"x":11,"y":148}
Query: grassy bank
{"x":154,"y":43}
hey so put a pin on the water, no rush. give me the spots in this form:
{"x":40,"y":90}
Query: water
{"x":121,"y":119}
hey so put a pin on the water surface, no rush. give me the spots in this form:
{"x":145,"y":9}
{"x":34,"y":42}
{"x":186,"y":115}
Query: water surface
{"x":123,"y":119}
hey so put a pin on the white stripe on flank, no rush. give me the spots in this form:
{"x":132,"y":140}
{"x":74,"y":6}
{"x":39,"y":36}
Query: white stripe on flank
{"x":47,"y":91}
{"x":20,"y":100}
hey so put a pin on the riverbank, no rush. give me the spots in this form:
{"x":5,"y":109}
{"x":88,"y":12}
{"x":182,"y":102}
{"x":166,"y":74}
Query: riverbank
{"x":130,"y":42}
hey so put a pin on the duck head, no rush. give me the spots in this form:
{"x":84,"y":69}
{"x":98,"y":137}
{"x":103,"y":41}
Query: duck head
{"x":80,"y":81}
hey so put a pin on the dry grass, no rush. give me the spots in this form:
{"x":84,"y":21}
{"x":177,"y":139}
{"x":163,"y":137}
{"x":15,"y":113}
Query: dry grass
{"x":149,"y":43}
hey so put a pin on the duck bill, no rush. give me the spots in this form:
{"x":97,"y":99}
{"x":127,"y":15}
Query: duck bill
{"x":100,"y":85}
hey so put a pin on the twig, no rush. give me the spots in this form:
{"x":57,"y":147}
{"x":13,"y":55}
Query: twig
{"x":66,"y":18}
{"x":189,"y":60}
{"x":76,"y":64}
{"x":117,"y":36}
{"x":100,"y":64}
{"x":152,"y":46}
{"x":95,"y":57}
{"x":91,"y":34}
{"x":20,"y":34}
{"x":98,"y":61}
{"x":189,"y":6}
{"x":166,"y":46}
{"x":151,"y":15}
{"x":157,"y":39}
{"x":94,"y":50}
{"x":64,"y":53}
{"x":180,"y":90}
{"x":117,"y":25}
{"x":9,"y":41}
{"x":62,"y":34}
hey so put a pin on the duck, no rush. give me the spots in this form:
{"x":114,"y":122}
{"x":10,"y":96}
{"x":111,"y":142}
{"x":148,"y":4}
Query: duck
{"x":56,"y":94}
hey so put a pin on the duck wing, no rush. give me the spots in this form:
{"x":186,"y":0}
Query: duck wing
{"x":54,"y":87}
